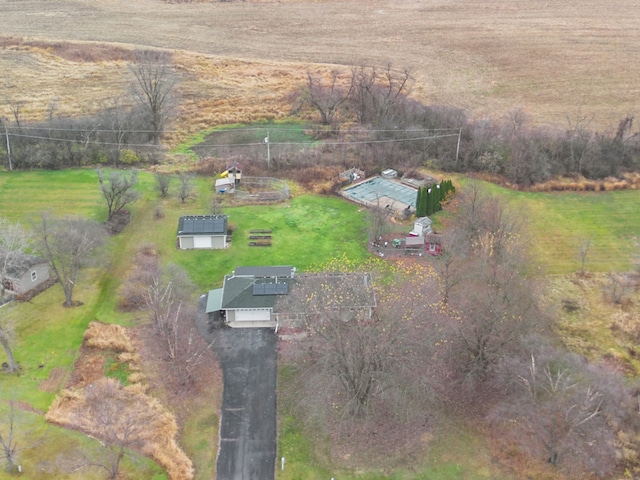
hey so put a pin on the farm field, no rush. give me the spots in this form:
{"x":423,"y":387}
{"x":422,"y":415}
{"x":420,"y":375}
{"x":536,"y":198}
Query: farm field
{"x":556,"y":60}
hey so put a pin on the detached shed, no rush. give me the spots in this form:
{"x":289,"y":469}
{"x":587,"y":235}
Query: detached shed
{"x":421,"y":227}
{"x":202,"y":231}
{"x":31,"y":273}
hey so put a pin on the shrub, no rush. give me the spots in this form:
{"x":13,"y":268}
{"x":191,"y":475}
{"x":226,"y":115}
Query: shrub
{"x":107,"y":337}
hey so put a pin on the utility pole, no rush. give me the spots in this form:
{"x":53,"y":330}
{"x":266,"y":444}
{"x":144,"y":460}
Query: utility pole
{"x":458,"y":147}
{"x":266,"y":140}
{"x":6,"y":132}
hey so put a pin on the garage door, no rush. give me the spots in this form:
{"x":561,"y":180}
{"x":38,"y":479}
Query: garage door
{"x":252,"y":315}
{"x":202,"y":242}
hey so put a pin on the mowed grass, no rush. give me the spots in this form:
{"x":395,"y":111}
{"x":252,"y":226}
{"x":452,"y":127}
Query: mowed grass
{"x":25,"y":195}
{"x":307,"y":229}
{"x":557,"y":222}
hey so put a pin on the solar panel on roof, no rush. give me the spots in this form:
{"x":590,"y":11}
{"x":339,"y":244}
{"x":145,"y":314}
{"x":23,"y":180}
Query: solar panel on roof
{"x":270,"y":288}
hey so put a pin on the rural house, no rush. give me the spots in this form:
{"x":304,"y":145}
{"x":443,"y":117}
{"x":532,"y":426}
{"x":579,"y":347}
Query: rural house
{"x":202,"y":231}
{"x":277,"y":296}
{"x":248,"y":296}
{"x":31,"y":274}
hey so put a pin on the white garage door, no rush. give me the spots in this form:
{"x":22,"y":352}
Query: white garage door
{"x":252,"y":315}
{"x":202,"y":242}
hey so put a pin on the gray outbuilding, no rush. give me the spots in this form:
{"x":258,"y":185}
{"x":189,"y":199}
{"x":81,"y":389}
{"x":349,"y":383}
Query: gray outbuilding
{"x":202,"y":231}
{"x":30,"y":274}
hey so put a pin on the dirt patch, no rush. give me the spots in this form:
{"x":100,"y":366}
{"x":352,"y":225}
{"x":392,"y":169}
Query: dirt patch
{"x":89,"y":367}
{"x":55,"y":381}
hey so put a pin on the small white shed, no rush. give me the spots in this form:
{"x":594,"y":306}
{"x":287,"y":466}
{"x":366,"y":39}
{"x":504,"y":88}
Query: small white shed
{"x":421,"y":227}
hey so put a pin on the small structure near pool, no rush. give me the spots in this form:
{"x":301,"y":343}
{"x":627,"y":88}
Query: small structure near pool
{"x":202,"y":231}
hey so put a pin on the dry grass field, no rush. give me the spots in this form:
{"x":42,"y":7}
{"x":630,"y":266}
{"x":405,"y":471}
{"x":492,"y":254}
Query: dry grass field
{"x":553,"y":59}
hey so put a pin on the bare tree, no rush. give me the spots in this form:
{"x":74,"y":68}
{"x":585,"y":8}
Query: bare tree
{"x":118,"y":120}
{"x":153,"y":87}
{"x":167,"y":301}
{"x":496,"y":301}
{"x":562,"y":406}
{"x":215,"y":206}
{"x":11,"y":426}
{"x":327,"y":98}
{"x":118,"y":190}
{"x":450,"y":264}
{"x":163,"y":182}
{"x":8,"y":439}
{"x":497,"y":309}
{"x":13,"y":244}
{"x":68,"y":245}
{"x":187,"y":186}
{"x":584,"y":244}
{"x":378,"y":220}
{"x":117,"y":420}
{"x":376,"y":91}
{"x":581,"y":140}
{"x":349,"y":350}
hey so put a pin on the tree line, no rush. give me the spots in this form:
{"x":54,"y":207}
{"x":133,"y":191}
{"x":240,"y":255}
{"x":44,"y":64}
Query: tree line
{"x":525,"y":154}
{"x":365,"y":113}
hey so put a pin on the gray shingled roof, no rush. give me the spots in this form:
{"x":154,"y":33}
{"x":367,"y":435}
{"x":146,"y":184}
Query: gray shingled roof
{"x":275,"y":271}
{"x":15,"y":270}
{"x":238,"y":292}
{"x":202,"y":224}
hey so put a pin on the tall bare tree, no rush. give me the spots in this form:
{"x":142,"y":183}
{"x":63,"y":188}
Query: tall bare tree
{"x":561,"y":408}
{"x":376,"y":91}
{"x":167,"y":301}
{"x":68,"y":245}
{"x":12,"y":427}
{"x":327,"y":97}
{"x":8,"y":440}
{"x":153,"y":87}
{"x":497,"y":303}
{"x":118,"y":190}
{"x":187,"y":186}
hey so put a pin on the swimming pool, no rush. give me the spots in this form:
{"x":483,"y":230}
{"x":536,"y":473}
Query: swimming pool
{"x":378,"y":190}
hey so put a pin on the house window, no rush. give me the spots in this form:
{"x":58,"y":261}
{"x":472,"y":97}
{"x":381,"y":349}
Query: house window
{"x":432,"y":247}
{"x":34,"y":276}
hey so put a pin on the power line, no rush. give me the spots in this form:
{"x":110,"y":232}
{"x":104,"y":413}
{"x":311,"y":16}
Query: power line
{"x":356,"y":142}
{"x":244,"y":129}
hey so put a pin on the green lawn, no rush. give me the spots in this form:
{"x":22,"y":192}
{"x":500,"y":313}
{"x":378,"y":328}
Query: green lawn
{"x":279,"y":132}
{"x":307,"y":231}
{"x":557,"y":221}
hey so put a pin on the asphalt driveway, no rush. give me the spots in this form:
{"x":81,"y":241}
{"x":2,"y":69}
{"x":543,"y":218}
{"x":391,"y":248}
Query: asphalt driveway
{"x":248,"y":424}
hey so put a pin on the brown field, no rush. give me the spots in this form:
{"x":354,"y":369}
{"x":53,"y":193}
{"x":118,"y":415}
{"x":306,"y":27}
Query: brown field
{"x":553,"y":59}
